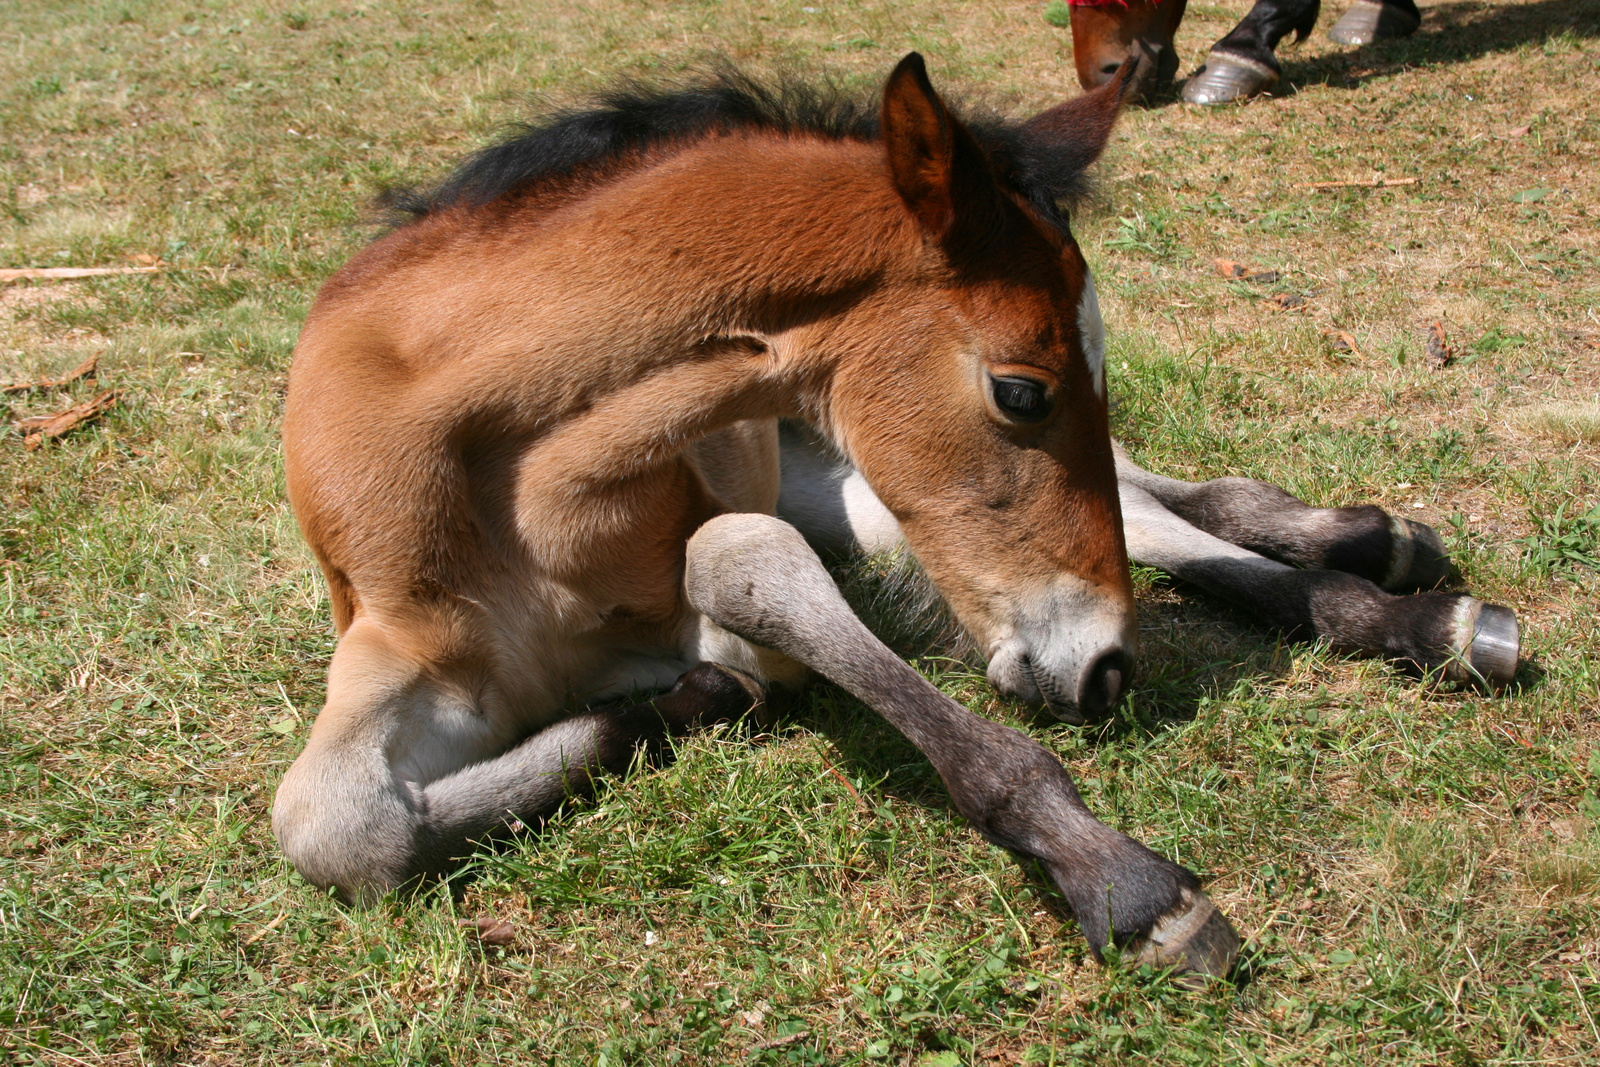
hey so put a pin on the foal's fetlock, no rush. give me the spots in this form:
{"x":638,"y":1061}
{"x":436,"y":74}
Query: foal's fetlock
{"x":1152,"y":911}
{"x":1391,"y":552}
{"x":1418,"y":559}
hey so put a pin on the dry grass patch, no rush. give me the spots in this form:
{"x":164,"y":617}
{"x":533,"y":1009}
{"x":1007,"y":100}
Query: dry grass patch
{"x":1569,"y":423}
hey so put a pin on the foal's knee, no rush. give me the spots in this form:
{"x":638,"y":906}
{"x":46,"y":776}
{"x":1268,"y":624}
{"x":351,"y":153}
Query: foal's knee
{"x":345,"y":829}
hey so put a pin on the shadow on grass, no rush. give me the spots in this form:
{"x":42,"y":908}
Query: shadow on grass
{"x":1451,"y":33}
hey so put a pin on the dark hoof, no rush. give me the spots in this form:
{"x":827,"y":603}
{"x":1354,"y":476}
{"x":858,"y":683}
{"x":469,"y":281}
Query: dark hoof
{"x":1483,"y":645}
{"x":1195,"y":938}
{"x":1367,"y":21}
{"x":1419,"y":561}
{"x":710,"y":694}
{"x":1491,"y":656}
{"x":1226,"y":78}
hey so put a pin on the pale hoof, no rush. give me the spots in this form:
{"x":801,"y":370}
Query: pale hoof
{"x":1367,"y":21}
{"x":1226,"y":78}
{"x":1195,"y":938}
{"x":1489,"y":647}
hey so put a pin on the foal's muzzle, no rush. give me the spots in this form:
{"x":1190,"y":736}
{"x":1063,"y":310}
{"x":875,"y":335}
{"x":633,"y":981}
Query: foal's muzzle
{"x":1077,"y":664}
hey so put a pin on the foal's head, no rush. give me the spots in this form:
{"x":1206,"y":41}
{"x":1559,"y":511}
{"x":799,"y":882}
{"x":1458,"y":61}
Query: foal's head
{"x":977,"y":410}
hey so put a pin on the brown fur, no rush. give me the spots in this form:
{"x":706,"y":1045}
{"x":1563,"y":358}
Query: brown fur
{"x":1106,"y":35}
{"x":505,"y":421}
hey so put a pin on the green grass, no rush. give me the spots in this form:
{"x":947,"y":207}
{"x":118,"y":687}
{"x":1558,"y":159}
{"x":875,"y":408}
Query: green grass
{"x":1417,"y":869}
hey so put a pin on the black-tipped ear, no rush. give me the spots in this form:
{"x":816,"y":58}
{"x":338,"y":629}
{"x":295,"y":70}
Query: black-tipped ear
{"x":918,"y":137}
{"x":1076,"y":132}
{"x":940,"y":171}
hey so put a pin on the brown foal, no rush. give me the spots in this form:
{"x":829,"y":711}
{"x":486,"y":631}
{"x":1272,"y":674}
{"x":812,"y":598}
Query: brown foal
{"x":517,"y":422}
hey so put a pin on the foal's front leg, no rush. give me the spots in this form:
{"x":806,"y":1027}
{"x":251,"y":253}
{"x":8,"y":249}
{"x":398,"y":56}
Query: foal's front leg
{"x":755,"y":576}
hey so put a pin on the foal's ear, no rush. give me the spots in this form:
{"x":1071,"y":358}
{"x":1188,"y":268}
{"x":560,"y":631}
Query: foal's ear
{"x":939,"y":170}
{"x":1076,"y":132}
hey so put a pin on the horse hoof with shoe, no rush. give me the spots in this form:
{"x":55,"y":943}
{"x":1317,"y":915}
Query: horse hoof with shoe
{"x":1370,"y":20}
{"x":1224,"y":78}
{"x":533,"y":437}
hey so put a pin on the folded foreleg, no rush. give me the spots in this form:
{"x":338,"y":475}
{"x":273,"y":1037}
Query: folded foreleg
{"x":755,"y":576}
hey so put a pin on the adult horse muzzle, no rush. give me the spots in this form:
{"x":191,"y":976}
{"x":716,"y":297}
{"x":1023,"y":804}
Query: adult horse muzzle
{"x":1107,"y":32}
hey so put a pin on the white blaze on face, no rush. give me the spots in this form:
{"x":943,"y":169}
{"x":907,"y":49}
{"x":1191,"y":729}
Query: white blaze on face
{"x":1092,"y":330}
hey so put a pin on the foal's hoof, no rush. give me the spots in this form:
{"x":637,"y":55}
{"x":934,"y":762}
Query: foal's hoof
{"x":710,"y":694}
{"x":1420,"y":560}
{"x":1195,"y":938}
{"x":1488,"y":647}
{"x":1368,"y":21}
{"x":1226,"y":78}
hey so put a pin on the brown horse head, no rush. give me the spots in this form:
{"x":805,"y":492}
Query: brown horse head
{"x":1106,"y":33}
{"x":981,"y":422}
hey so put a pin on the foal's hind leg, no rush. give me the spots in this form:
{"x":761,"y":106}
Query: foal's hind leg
{"x":755,"y":576}
{"x":1463,"y":638}
{"x":394,"y":785}
{"x":1385,"y":549}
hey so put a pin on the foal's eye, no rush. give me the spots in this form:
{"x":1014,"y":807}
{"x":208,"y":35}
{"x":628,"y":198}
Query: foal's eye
{"x":1022,"y":399}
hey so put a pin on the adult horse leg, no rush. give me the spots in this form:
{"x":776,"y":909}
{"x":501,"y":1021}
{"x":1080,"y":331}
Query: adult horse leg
{"x":398,"y":780}
{"x":1242,"y":63}
{"x":755,"y":576}
{"x":1392,"y":552}
{"x":1462,"y":638}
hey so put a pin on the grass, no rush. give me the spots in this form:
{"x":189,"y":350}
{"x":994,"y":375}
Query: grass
{"x":1416,"y":869}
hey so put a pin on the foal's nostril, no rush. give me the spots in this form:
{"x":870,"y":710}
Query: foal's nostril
{"x":1110,"y":68}
{"x":1103,"y":683}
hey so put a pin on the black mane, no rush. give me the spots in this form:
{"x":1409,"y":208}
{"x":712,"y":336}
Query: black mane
{"x":623,"y":122}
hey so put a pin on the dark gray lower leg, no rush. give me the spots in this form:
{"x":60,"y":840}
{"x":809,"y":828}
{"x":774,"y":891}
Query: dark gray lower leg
{"x":1257,"y":35}
{"x":756,"y":576}
{"x":531,"y":781}
{"x":1389,"y":551}
{"x":1464,"y":639}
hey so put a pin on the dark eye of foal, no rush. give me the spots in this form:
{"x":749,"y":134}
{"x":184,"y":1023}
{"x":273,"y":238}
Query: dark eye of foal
{"x":1023,"y":399}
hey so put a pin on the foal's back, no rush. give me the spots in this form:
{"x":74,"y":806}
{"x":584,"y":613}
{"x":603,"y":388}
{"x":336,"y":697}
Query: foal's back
{"x":482,"y":403}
